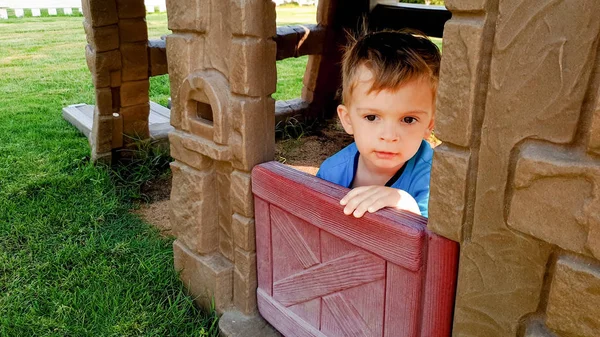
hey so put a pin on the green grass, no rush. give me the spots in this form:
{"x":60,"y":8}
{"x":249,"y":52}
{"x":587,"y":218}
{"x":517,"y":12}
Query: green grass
{"x":74,"y":260}
{"x":289,"y":77}
{"x":437,"y":41}
{"x":159,"y":89}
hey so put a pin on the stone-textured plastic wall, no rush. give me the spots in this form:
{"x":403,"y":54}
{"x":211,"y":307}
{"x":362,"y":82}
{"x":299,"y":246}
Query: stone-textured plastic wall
{"x":222,"y":71}
{"x":517,"y":180}
{"x":117,"y":57}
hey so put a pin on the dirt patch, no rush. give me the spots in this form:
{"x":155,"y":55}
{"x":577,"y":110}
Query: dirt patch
{"x":158,"y":189}
{"x":305,"y":153}
{"x":157,"y":214}
{"x":156,"y":210}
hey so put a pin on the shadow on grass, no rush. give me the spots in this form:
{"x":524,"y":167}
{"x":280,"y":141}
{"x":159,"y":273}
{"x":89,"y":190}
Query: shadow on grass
{"x":75,"y":262}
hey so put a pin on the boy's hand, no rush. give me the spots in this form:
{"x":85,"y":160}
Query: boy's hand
{"x":373,"y":198}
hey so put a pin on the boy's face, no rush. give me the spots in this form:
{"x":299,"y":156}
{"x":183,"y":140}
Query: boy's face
{"x":388,"y":126}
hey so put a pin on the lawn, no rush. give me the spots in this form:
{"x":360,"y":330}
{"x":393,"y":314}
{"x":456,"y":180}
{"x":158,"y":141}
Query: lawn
{"x":74,"y":261}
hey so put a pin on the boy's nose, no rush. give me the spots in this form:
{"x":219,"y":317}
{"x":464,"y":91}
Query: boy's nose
{"x":389,"y":133}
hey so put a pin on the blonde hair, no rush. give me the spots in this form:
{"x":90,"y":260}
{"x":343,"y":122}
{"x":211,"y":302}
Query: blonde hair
{"x":394,"y":57}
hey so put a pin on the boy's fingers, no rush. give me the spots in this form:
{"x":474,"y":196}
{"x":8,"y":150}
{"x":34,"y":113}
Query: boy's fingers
{"x":377,"y":205}
{"x":359,"y":212}
{"x":350,"y":207}
{"x":366,"y":204}
{"x":354,"y":201}
{"x":353,"y":193}
{"x":384,"y":200}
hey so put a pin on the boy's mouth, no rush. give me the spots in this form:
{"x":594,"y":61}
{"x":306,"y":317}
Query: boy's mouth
{"x":385,"y":155}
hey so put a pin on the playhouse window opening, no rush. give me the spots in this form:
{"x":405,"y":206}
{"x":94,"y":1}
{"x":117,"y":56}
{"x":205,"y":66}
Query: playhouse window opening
{"x":204,"y":113}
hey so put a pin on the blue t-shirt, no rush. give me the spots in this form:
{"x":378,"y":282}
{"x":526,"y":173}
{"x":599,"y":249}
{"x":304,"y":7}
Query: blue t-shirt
{"x":340,"y":169}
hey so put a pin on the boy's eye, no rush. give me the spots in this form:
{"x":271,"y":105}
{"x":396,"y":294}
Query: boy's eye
{"x":370,"y":118}
{"x":409,"y":120}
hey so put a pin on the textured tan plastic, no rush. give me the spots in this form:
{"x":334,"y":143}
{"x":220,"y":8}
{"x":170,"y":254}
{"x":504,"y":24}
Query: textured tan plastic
{"x":516,"y":180}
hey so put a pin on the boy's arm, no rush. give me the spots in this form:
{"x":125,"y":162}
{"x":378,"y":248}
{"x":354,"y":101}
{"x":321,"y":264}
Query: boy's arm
{"x":373,"y":198}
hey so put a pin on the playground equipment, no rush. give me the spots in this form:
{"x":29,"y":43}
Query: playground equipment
{"x":515,"y":182}
{"x":121,"y":60}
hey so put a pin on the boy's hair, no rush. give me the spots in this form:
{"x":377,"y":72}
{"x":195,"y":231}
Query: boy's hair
{"x":394,"y":57}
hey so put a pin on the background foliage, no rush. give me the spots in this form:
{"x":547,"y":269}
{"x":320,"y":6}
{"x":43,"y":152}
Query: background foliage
{"x":427,"y":2}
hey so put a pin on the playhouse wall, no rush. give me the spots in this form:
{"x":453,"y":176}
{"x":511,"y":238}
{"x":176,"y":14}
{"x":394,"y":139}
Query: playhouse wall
{"x":117,"y":57}
{"x":222,"y":73}
{"x":516,"y":181}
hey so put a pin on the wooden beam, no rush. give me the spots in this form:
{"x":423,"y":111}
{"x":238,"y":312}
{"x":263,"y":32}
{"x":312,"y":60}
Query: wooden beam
{"x":295,"y":41}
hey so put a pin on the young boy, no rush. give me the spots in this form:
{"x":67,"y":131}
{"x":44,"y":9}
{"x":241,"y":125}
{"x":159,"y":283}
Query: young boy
{"x":389,"y":84}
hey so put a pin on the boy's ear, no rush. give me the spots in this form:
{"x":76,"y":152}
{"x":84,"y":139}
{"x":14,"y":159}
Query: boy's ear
{"x":429,"y":129}
{"x":344,"y":115}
